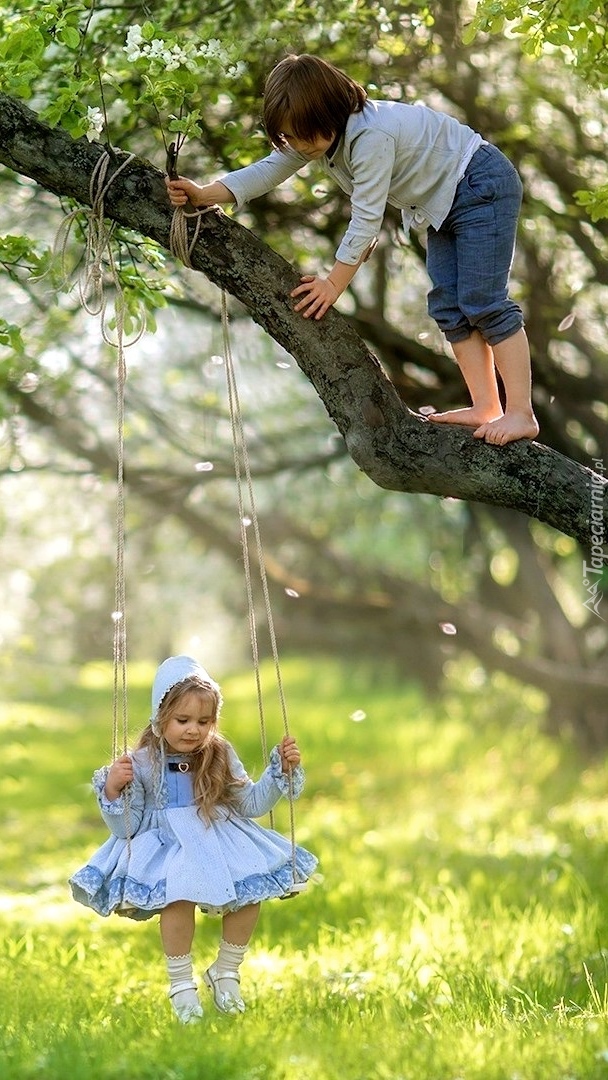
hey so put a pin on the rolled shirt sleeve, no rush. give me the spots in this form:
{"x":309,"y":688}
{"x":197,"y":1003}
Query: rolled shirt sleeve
{"x":372,"y":161}
{"x":261,"y":177}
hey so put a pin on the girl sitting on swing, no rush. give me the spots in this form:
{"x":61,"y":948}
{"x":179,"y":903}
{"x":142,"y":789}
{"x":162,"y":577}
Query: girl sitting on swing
{"x":183,"y":835}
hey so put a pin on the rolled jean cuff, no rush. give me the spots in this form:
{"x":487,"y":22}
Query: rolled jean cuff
{"x":493,"y":337}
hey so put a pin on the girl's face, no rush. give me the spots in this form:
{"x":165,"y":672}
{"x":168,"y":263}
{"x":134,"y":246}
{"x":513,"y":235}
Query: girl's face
{"x":190,"y":722}
{"x":311,"y":148}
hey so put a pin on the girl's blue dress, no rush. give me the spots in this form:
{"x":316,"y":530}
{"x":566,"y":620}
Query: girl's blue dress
{"x":173,"y":854}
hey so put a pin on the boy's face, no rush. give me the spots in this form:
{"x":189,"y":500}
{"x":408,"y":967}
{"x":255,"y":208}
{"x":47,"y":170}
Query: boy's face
{"x":311,"y":148}
{"x":190,"y":723}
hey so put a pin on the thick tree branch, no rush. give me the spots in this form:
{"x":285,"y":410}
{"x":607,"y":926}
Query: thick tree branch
{"x":396,"y":448}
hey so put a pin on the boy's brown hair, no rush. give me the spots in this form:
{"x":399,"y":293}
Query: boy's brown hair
{"x":309,"y":97}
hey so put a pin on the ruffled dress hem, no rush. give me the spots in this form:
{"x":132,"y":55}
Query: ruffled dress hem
{"x":127,"y":897}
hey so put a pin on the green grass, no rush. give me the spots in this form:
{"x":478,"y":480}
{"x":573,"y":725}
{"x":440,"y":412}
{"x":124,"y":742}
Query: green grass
{"x":457,"y":930}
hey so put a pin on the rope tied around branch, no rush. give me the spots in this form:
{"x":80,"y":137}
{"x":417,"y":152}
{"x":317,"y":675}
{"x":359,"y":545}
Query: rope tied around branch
{"x":180,"y":243}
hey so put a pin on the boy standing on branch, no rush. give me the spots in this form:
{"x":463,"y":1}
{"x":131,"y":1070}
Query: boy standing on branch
{"x":443,"y":177}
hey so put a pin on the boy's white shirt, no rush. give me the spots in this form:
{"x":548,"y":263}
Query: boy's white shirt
{"x":408,"y":156}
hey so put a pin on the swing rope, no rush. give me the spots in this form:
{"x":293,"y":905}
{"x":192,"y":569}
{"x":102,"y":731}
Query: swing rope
{"x":93,"y":298}
{"x":119,"y":615}
{"x":241,"y":456}
{"x":182,"y":247}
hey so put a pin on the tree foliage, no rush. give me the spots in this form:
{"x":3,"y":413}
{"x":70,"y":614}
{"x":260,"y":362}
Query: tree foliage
{"x":576,"y":29}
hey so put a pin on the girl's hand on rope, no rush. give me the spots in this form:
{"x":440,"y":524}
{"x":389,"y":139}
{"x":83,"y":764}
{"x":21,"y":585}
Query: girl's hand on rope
{"x":290,"y":755}
{"x":119,"y":775}
{"x":318,"y":296}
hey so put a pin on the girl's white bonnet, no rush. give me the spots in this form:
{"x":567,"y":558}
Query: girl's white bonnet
{"x":174,"y":670}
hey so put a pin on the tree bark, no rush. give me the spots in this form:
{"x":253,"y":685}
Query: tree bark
{"x":398,"y":449}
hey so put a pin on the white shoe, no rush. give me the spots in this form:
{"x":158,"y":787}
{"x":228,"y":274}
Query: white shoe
{"x":225,"y":1000}
{"x":186,"y":1006}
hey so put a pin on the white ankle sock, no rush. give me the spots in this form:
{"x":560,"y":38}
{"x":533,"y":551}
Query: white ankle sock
{"x":229,"y":959}
{"x":185,"y":1001}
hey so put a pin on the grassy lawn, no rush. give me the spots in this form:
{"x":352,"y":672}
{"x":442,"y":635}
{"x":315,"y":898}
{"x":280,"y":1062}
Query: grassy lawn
{"x":457,"y":929}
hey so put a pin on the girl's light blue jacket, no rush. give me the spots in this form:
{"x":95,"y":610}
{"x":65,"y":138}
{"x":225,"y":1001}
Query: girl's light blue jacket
{"x":408,"y":156}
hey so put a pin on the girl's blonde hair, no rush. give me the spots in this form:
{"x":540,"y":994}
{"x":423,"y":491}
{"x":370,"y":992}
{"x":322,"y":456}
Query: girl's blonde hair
{"x":309,"y":97}
{"x":212,"y":779}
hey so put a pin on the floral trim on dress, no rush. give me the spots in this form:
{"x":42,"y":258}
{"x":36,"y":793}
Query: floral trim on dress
{"x":281,"y":779}
{"x":116,"y":806}
{"x":140,"y":902}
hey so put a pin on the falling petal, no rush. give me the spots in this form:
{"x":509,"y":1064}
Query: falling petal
{"x":423,"y":336}
{"x":291,"y":592}
{"x":427,"y":410}
{"x":116,"y":616}
{"x":203,"y":466}
{"x":447,"y":628}
{"x":358,"y":715}
{"x":283,"y":364}
{"x":217,"y":359}
{"x":29,"y":382}
{"x":566,"y":323}
{"x":246,"y":522}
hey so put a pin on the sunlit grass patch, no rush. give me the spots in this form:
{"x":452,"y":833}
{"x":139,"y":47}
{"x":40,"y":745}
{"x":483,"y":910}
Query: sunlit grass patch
{"x":352,"y":1004}
{"x":455,"y":930}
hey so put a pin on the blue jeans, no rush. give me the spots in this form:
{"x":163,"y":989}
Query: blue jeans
{"x":469,"y":257}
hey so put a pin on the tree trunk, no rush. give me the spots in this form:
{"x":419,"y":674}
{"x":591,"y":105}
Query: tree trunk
{"x":398,"y":449}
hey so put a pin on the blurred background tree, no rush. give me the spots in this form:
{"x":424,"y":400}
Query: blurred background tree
{"x":413,"y":585}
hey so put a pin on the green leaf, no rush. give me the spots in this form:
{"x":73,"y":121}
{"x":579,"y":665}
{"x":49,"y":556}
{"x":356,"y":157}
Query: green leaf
{"x":10,"y":337}
{"x":23,"y":43}
{"x":469,"y":34}
{"x":69,"y":36}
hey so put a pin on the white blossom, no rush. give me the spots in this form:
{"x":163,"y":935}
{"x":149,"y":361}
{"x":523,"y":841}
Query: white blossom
{"x":236,"y":70}
{"x":175,"y":57}
{"x":95,"y":121}
{"x":155,"y":49}
{"x":133,"y":43}
{"x":213,"y":48}
{"x":134,"y":35}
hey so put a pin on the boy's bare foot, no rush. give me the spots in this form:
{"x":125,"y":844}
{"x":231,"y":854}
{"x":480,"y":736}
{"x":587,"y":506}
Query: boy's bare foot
{"x":508,"y":428}
{"x":471,"y":417}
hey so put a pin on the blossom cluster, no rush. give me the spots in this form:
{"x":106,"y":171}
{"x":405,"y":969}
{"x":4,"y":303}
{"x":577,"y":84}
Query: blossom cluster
{"x":95,"y":122}
{"x":175,"y":56}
